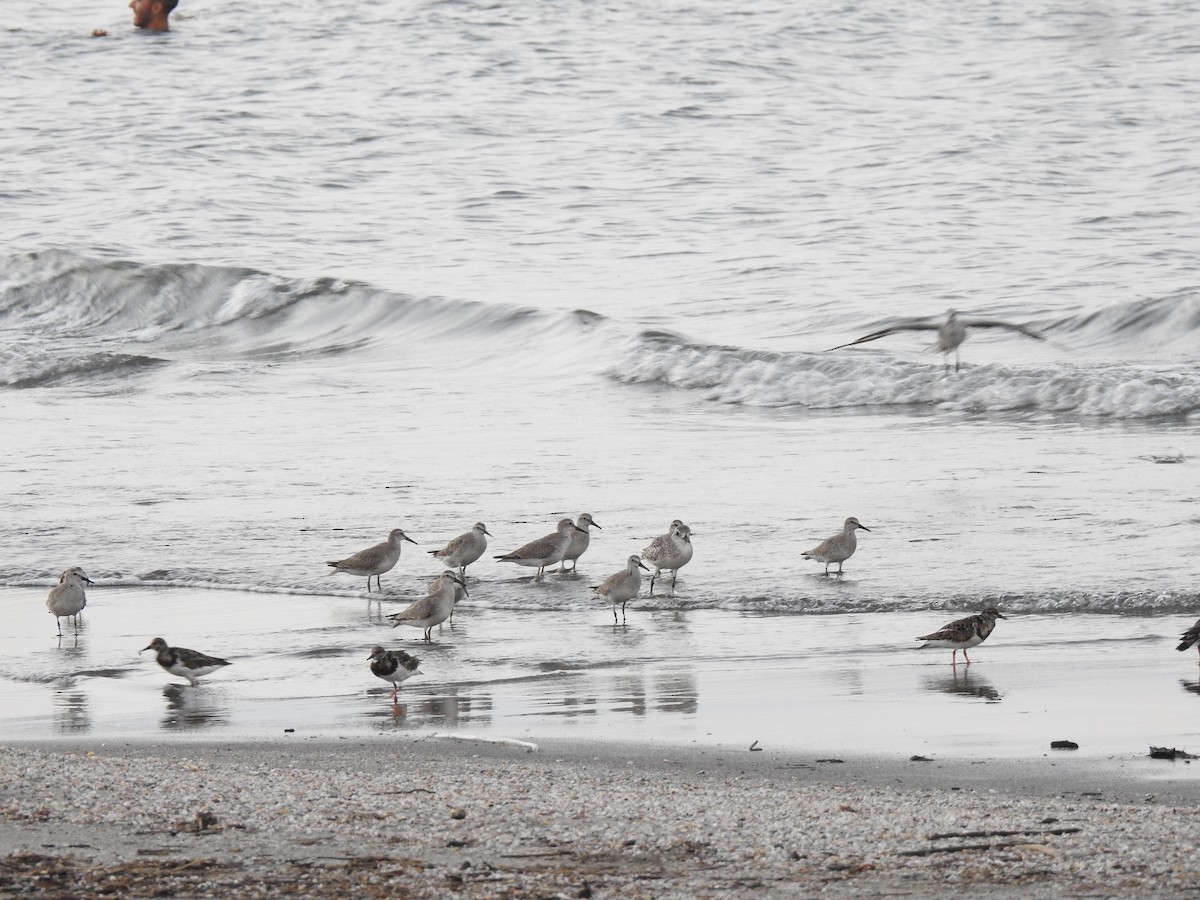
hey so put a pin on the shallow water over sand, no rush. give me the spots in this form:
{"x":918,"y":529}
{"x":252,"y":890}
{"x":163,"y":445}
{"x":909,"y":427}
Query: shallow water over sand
{"x":836,"y":684}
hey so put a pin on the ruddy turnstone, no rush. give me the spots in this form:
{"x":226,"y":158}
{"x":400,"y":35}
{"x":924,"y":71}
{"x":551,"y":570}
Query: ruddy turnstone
{"x":185,"y":663}
{"x":394,"y":666}
{"x":963,"y":633}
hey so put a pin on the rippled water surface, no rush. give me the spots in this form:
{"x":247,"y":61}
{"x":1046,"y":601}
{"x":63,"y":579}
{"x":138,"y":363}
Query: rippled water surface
{"x":272,"y":286}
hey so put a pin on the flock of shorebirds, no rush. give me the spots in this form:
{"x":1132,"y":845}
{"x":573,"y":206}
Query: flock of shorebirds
{"x":668,"y":552}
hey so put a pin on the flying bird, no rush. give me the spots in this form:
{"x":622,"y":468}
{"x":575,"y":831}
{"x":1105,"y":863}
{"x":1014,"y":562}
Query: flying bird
{"x":950,"y":334}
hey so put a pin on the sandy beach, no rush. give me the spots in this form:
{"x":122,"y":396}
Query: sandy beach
{"x":440,"y":816}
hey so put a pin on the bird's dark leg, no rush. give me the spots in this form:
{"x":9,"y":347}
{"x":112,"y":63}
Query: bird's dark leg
{"x":614,"y":614}
{"x":967,"y":658}
{"x":622,"y":613}
{"x":652,"y":577}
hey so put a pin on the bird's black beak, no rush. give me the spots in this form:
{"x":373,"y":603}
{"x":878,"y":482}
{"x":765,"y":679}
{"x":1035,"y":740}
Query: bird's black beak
{"x":640,"y":566}
{"x":410,"y":540}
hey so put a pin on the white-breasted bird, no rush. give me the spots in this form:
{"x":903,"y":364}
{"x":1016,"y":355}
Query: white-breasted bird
{"x":545,"y":551}
{"x":374,"y":561}
{"x":622,"y":586}
{"x":963,"y":633}
{"x":464,"y":549}
{"x":189,"y":664}
{"x":434,"y":608}
{"x":838,"y":548}
{"x":581,"y":539}
{"x":672,"y":551}
{"x":394,"y":666}
{"x":68,"y":598}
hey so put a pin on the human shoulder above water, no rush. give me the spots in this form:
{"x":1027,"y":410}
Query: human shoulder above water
{"x":152,"y":15}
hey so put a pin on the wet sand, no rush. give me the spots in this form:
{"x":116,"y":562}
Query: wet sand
{"x":657,"y":773}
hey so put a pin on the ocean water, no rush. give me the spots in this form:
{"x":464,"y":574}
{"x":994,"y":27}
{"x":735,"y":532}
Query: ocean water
{"x":272,"y":286}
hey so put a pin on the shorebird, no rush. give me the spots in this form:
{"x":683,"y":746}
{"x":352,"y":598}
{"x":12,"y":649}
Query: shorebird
{"x":950,"y":333}
{"x":67,"y":598}
{"x":374,"y":561}
{"x":464,"y":549}
{"x":394,"y":666}
{"x":434,"y":608}
{"x":581,"y":539}
{"x":838,"y":548}
{"x":623,"y":586}
{"x":672,"y":550}
{"x":963,"y":633}
{"x":545,"y":551}
{"x":185,"y":663}
{"x":1190,"y":637}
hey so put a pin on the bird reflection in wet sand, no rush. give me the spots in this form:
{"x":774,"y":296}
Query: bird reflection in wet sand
{"x":964,"y":684}
{"x":71,"y":714}
{"x":188,"y":710}
{"x":963,"y":633}
{"x":950,"y":333}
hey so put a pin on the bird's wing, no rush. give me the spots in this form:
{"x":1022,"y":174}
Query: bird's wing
{"x":958,"y":630}
{"x":453,"y":547}
{"x":1011,"y":326}
{"x":419,"y":610}
{"x":884,"y":332}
